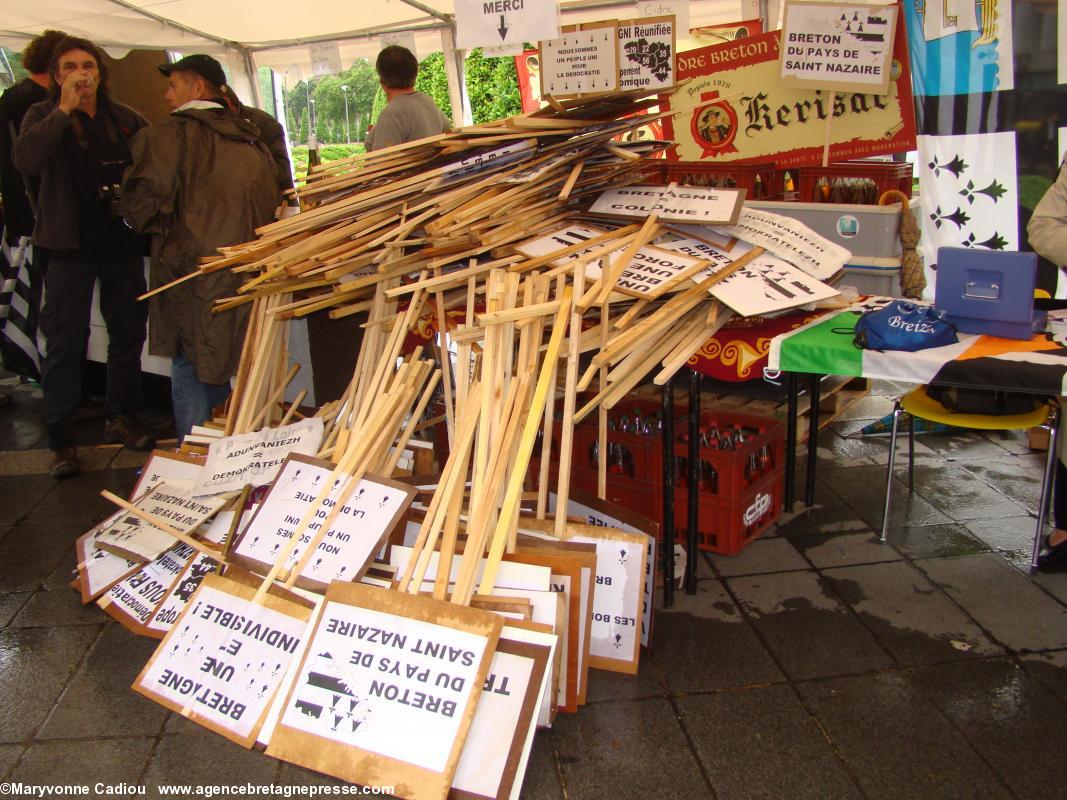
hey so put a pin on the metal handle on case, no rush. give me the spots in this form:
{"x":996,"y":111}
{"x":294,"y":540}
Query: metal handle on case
{"x":981,"y":291}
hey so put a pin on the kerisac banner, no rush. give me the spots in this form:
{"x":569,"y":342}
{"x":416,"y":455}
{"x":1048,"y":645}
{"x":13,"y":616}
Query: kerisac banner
{"x":735,"y":111}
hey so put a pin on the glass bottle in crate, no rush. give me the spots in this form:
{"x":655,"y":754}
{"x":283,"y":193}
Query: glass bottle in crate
{"x":766,"y":459}
{"x":594,"y":454}
{"x":752,"y":469}
{"x":709,"y":478}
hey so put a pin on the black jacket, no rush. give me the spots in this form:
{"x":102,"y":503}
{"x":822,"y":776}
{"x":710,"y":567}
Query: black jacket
{"x":14,"y":103}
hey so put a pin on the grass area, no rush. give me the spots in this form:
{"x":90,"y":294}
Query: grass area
{"x":327,"y":152}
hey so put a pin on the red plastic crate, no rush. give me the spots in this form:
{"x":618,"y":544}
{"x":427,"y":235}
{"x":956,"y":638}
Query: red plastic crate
{"x":886,"y":175}
{"x":758,"y":180}
{"x":637,"y":484}
{"x":726,"y":524}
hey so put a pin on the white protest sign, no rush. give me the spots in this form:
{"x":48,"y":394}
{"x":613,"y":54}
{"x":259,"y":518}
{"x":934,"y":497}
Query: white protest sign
{"x":580,"y":62}
{"x":223,"y":660}
{"x":646,"y":53}
{"x":535,"y":172}
{"x":385,"y":693}
{"x":325,"y":58}
{"x":848,"y":47}
{"x":497,"y":22}
{"x":405,"y":39}
{"x":170,"y":608}
{"x":791,"y":241}
{"x":133,"y":599}
{"x":99,"y":569}
{"x":255,"y":458}
{"x":503,"y":720}
{"x":477,"y":162}
{"x":765,"y":285}
{"x":542,"y":638}
{"x":199,"y":566}
{"x":138,"y":539}
{"x":593,"y":509}
{"x":692,"y":204}
{"x":679,"y":9}
{"x":368,"y":513}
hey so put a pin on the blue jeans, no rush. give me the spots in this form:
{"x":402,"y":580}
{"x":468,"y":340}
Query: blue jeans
{"x":193,"y":401}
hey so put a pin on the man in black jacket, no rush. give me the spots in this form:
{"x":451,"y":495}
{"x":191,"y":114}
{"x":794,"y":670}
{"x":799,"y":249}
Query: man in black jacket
{"x":76,"y":146}
{"x":18,"y":216}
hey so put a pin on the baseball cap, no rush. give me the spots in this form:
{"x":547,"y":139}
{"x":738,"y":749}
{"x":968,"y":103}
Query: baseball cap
{"x":205,"y":66}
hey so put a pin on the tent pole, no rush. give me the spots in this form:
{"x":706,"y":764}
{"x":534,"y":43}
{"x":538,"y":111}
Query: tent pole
{"x":457,"y":84}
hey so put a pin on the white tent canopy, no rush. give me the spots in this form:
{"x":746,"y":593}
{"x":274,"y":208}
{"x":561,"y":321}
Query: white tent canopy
{"x":276,"y":34}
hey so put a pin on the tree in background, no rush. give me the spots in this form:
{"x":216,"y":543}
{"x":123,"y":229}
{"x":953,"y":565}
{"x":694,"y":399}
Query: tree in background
{"x":493,"y":87}
{"x":305,"y":128}
{"x":433,"y":80}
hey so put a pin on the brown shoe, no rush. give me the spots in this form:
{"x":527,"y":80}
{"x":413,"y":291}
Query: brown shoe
{"x":64,"y":463}
{"x":128,"y":431}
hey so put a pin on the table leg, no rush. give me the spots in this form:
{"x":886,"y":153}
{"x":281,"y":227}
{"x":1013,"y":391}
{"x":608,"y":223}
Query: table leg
{"x":693,"y":483}
{"x":667,"y":547}
{"x":790,"y":439}
{"x":813,"y":440}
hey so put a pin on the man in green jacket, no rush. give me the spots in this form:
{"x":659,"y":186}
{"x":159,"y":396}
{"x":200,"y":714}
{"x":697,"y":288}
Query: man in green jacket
{"x":200,"y":180}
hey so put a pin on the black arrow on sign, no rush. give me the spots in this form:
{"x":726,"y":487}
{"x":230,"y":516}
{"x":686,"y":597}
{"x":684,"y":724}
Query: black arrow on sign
{"x":503,"y":29}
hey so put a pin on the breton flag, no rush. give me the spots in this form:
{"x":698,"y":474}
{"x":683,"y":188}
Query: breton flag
{"x":20,"y":304}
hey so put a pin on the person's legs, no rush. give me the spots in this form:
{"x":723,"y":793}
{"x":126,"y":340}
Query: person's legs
{"x":193,"y":401}
{"x":121,"y":283}
{"x":65,"y":324}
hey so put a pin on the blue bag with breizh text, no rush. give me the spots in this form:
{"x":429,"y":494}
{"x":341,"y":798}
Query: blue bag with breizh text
{"x":903,"y":325}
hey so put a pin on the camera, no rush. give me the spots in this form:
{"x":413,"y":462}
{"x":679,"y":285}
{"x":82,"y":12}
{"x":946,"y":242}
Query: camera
{"x":109,"y":196}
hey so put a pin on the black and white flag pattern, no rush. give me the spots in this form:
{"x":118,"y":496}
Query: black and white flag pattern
{"x":970,"y":195}
{"x":20,"y":303}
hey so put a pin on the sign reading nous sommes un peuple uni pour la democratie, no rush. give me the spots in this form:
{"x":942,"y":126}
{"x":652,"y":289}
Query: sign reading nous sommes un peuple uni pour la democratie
{"x":735,"y":111}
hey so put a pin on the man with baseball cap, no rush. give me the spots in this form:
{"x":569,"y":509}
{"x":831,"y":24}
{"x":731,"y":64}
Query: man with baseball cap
{"x":200,"y":180}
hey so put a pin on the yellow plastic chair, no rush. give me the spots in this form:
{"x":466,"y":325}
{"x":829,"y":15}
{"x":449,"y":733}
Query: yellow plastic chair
{"x":917,"y":403}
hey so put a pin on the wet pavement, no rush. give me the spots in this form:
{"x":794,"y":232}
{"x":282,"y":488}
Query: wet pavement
{"x":819,"y":663}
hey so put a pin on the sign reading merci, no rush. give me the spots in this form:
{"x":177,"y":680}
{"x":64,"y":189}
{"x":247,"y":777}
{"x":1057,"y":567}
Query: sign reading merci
{"x":498,"y":22}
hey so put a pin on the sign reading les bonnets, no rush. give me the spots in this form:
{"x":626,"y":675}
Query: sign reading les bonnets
{"x":255,"y":458}
{"x":581,"y":61}
{"x":646,"y":53}
{"x":386,"y":690}
{"x":692,"y":204}
{"x":225,"y":657}
{"x":734,"y":109}
{"x":369,"y":511}
{"x":840,"y":46}
{"x":496,"y":22}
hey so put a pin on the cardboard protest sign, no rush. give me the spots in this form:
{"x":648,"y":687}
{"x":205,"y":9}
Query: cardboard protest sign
{"x":255,"y":458}
{"x":542,"y":636}
{"x":841,"y":46}
{"x":138,"y":539}
{"x":386,"y":691}
{"x":503,"y":726}
{"x":98,"y":569}
{"x":133,"y":600}
{"x":368,"y":513}
{"x":790,"y":240}
{"x":475,"y":161}
{"x":572,"y":576}
{"x":225,"y":657}
{"x":699,"y":205}
{"x":580,"y":62}
{"x":196,"y":569}
{"x":596,"y":511}
{"x":618,"y":598}
{"x":734,"y":110}
{"x":764,"y":285}
{"x":646,"y":53}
